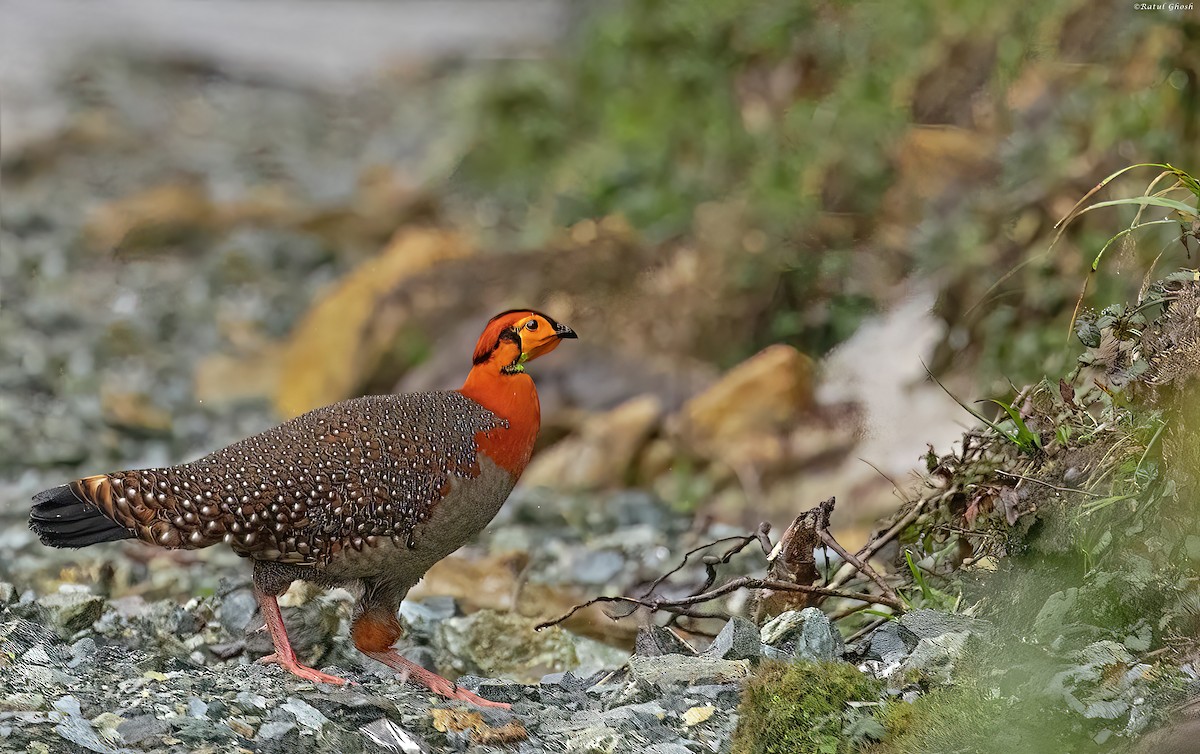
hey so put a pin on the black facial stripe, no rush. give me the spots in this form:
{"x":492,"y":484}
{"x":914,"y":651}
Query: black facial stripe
{"x":510,"y":334}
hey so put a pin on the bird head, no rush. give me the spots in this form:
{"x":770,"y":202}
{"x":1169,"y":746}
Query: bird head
{"x":517,"y":336}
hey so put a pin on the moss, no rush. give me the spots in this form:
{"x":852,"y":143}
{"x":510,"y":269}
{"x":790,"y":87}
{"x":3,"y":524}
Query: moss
{"x":940,"y":721}
{"x":801,"y":708}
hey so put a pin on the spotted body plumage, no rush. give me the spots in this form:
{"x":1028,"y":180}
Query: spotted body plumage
{"x":346,"y":476}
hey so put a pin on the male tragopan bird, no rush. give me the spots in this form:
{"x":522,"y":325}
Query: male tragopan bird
{"x":371,"y":491}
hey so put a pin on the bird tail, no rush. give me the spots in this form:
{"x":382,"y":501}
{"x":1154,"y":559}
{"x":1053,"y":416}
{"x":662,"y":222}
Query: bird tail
{"x":73,"y":515}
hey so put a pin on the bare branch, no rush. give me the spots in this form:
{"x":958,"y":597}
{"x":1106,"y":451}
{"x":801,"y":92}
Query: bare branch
{"x":745,"y":582}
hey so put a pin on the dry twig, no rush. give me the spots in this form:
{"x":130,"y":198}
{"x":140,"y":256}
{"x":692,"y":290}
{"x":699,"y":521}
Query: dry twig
{"x":791,"y":570}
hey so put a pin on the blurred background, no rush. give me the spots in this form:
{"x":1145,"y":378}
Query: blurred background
{"x":765,"y":219}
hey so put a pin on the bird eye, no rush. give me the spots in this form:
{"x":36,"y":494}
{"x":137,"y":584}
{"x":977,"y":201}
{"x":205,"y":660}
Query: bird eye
{"x":531,"y":324}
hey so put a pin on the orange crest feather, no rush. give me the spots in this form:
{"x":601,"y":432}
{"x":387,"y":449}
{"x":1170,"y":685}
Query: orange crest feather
{"x":491,"y":334}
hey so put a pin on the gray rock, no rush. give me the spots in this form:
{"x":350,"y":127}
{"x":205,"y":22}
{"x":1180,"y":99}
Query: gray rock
{"x":655,"y":641}
{"x":738,"y":640}
{"x":726,"y":694}
{"x":82,"y":651}
{"x":71,"y":612}
{"x":199,"y":731}
{"x":135,"y":730}
{"x":669,"y":748}
{"x":197,"y":707}
{"x":670,"y":671}
{"x":422,"y":656}
{"x":8,"y":593}
{"x":306,"y":715}
{"x":638,"y":715}
{"x":927,"y":624}
{"x":22,"y":701}
{"x":891,"y":643}
{"x":274,"y":730}
{"x":67,"y":705}
{"x":804,"y":635}
{"x":935,"y":657}
{"x":19,"y":637}
{"x":390,"y":737}
{"x":237,"y":610}
{"x":597,"y":567}
{"x":80,"y":732}
{"x":565,"y":680}
{"x":251,"y":702}
{"x":504,"y":691}
{"x":1050,"y":619}
{"x":421,"y":619}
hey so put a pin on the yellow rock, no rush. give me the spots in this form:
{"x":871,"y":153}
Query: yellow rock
{"x":697,"y":715}
{"x":767,"y":393}
{"x":603,"y":453}
{"x":221,"y":378}
{"x":134,"y":411}
{"x":328,"y":352}
{"x":160,"y":216}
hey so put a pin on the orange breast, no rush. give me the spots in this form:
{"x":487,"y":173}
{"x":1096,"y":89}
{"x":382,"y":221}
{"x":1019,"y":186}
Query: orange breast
{"x":514,"y":399}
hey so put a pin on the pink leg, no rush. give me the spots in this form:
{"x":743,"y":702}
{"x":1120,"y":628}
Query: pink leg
{"x":411,"y":671}
{"x":284,"y":655}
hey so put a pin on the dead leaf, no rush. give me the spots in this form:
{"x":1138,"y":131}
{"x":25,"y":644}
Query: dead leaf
{"x":1011,"y":502}
{"x":455,"y":720}
{"x":458,"y":720}
{"x":504,"y":734}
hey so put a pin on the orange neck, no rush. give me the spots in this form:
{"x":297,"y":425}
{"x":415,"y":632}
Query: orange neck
{"x":512,"y":397}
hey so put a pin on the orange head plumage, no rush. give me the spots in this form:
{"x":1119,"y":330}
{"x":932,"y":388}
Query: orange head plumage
{"x":498,"y":381}
{"x":524,"y":333}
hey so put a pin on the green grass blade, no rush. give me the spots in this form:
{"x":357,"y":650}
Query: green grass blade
{"x":1096,"y":261}
{"x":1156,"y":201}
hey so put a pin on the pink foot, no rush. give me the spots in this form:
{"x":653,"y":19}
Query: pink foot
{"x":284,"y":655}
{"x":303,"y":671}
{"x":410,"y":671}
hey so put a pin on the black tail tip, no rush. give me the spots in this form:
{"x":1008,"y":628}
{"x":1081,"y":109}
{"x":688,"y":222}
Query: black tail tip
{"x":60,"y":518}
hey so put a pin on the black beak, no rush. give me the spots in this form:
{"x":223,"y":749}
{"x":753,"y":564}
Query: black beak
{"x":563,"y":331}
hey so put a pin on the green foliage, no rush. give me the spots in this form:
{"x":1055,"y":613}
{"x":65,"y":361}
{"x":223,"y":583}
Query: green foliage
{"x":857,"y":144}
{"x":803,"y":708}
{"x":941,"y":721}
{"x":1083,"y":556}
{"x":1185,"y":214}
{"x":925,"y":595}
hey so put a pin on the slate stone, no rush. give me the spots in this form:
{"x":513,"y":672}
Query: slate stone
{"x":726,"y":694}
{"x":237,"y":610}
{"x":508,"y":692}
{"x":804,"y":635}
{"x":135,"y":730}
{"x":566,"y":680}
{"x":390,"y":737}
{"x":891,"y":642}
{"x":71,"y":612}
{"x":655,"y":641}
{"x":671,"y":671}
{"x":927,"y":624}
{"x":935,"y":657}
{"x":738,"y":640}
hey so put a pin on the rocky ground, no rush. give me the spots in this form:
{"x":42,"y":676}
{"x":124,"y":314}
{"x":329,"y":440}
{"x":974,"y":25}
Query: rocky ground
{"x":187,"y":254}
{"x":127,"y":675}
